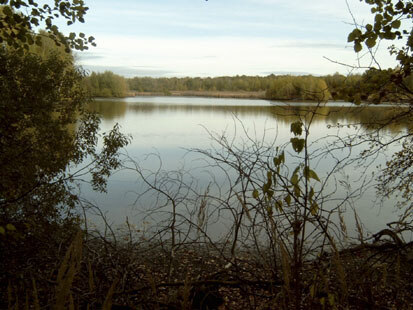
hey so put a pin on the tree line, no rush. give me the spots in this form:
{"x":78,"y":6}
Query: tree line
{"x":374,"y":86}
{"x":106,"y":84}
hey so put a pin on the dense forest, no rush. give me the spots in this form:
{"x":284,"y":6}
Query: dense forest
{"x":106,"y":84}
{"x":373,"y":86}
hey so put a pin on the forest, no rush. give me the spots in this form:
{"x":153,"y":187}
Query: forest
{"x":283,"y":250}
{"x":373,"y":86}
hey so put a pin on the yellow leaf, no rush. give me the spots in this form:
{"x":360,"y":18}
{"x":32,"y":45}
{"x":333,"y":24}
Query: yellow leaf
{"x":255,"y":194}
{"x":322,"y":301}
{"x":314,"y":209}
{"x":10,"y":227}
{"x":331,"y":299}
{"x":312,"y":291}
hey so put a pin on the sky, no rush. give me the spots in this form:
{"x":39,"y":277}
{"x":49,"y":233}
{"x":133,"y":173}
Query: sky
{"x":165,"y":38}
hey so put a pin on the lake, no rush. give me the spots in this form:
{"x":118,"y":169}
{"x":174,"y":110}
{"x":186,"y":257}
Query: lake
{"x":165,"y":132}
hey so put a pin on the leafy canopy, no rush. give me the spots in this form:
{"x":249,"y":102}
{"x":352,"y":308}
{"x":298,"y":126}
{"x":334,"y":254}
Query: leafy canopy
{"x":19,"y":18}
{"x":45,"y":129}
{"x":389,"y":19}
{"x":393,"y":20}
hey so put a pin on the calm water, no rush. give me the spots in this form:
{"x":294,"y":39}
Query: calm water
{"x":171,"y":126}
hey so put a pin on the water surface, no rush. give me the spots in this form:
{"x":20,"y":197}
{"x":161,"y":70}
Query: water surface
{"x":171,"y":126}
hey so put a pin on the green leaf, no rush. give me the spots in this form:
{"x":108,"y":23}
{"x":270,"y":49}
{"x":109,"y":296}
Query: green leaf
{"x":331,"y":299}
{"x":311,"y":195}
{"x":310,"y":174}
{"x":297,"y":191}
{"x":314,"y":209}
{"x":7,"y":11}
{"x":378,"y":18}
{"x":369,"y":27}
{"x":255,"y":194}
{"x":355,"y":34}
{"x":287,"y":199}
{"x":279,"y":159}
{"x":34,"y":21}
{"x":396,"y":24}
{"x":279,"y":205}
{"x":323,"y":301}
{"x":2,"y":230}
{"x":294,"y":179}
{"x":10,"y":227}
{"x":297,"y":169}
{"x":297,"y":144}
{"x":269,"y":176}
{"x":357,"y":47}
{"x":399,"y":5}
{"x":371,"y":42}
{"x":297,"y":128}
{"x":389,"y":35}
{"x":312,"y":290}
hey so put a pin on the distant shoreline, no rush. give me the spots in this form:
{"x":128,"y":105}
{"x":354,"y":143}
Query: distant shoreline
{"x":232,"y":94}
{"x":211,"y":94}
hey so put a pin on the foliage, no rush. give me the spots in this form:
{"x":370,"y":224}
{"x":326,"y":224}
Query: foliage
{"x":284,"y":87}
{"x":47,"y":140}
{"x":389,"y":18}
{"x":45,"y":133}
{"x":368,"y":87}
{"x":106,"y":84}
{"x":392,"y":21}
{"x":18,"y":20}
{"x":223,"y":83}
{"x":48,"y":47}
{"x":343,"y":87}
{"x":373,"y":86}
{"x":36,"y":141}
{"x":299,"y":87}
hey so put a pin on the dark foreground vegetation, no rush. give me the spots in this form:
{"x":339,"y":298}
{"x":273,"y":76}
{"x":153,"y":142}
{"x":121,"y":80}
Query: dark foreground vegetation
{"x":80,"y":270}
{"x":282,"y":248}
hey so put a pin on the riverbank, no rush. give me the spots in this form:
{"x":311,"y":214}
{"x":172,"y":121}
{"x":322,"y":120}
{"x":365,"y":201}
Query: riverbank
{"x":140,"y":274}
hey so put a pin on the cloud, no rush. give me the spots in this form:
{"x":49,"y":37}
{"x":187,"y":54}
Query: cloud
{"x":217,"y":56}
{"x":211,"y":56}
{"x":316,"y":9}
{"x":84,"y":56}
{"x":311,"y":45}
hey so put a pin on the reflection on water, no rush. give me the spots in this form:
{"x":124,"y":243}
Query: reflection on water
{"x":283,"y":112}
{"x":109,"y":110}
{"x":169,"y":126}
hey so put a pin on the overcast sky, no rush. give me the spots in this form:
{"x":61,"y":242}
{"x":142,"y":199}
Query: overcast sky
{"x":221,"y":37}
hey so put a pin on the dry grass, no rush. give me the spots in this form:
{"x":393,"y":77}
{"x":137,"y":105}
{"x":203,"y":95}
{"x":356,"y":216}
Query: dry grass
{"x":99,"y":275}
